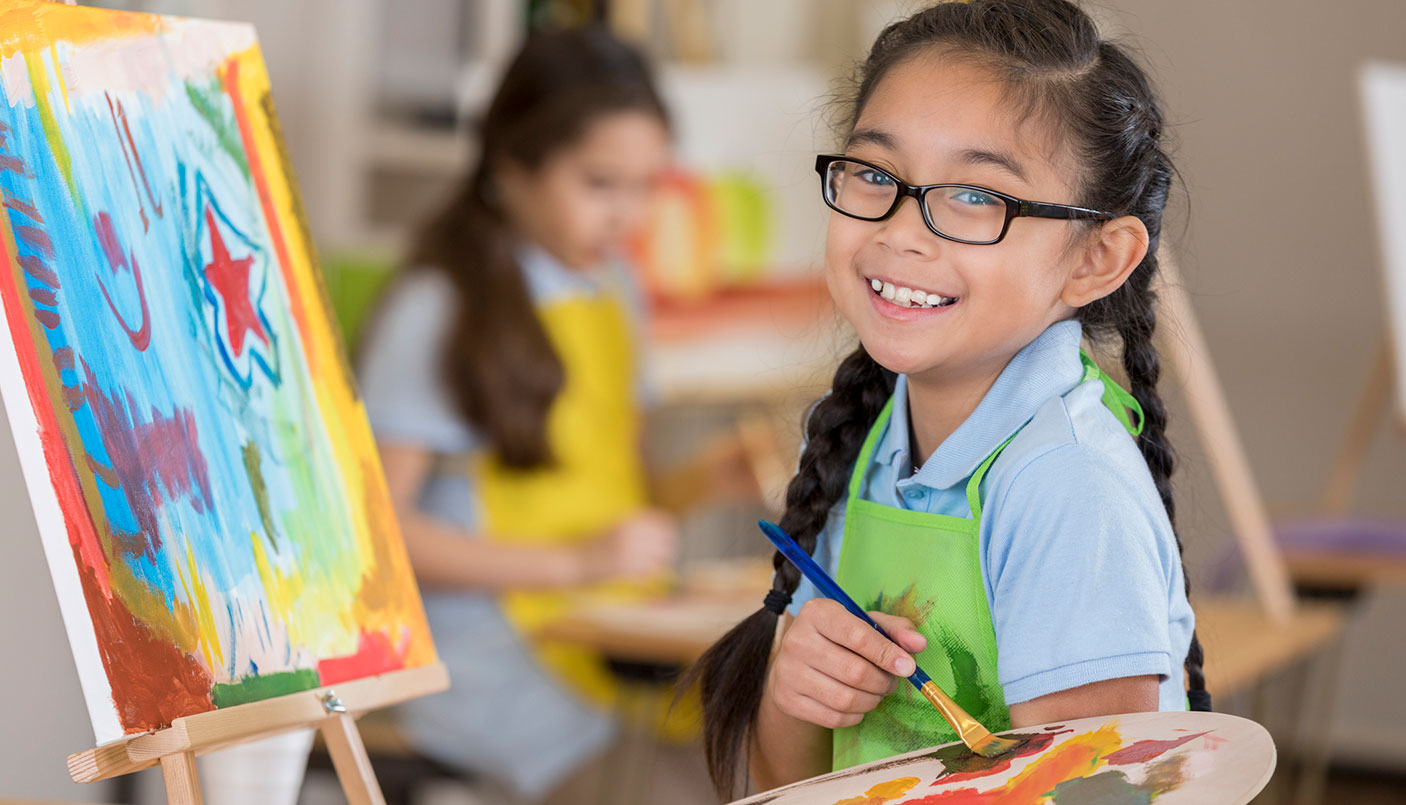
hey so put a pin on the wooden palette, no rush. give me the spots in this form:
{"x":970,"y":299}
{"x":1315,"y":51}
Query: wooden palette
{"x":1171,"y":758}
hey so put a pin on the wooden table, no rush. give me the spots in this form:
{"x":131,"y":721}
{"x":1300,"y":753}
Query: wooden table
{"x":677,"y":629}
{"x":1243,"y":646}
{"x":1344,"y":571}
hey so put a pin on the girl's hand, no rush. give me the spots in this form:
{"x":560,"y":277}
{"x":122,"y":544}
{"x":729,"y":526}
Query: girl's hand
{"x":644,"y":545}
{"x":832,"y":667}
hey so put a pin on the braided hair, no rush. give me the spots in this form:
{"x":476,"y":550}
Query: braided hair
{"x":1054,"y":66}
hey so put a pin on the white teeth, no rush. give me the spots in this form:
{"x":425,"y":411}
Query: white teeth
{"x":908,"y":297}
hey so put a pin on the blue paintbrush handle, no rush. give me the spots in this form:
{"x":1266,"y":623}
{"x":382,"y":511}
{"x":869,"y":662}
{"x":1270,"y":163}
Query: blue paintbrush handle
{"x":825,"y":584}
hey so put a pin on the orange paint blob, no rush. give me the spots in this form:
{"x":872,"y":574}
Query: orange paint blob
{"x":883,"y":792}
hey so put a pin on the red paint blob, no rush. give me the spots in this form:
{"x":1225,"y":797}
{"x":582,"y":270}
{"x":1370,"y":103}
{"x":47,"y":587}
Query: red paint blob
{"x":375,"y":655}
{"x":1143,"y":751}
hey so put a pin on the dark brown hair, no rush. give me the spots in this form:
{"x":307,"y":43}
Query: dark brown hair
{"x":1054,"y":66}
{"x":497,"y":359}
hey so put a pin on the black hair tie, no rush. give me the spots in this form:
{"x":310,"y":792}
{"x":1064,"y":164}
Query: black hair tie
{"x":776,"y":601}
{"x":1199,"y":700}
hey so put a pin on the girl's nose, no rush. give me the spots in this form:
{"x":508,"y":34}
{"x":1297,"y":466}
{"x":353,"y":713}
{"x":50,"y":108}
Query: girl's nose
{"x":905,"y":232}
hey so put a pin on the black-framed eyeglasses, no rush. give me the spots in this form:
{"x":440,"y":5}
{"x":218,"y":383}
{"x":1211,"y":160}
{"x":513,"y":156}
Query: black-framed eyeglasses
{"x":963,"y":213}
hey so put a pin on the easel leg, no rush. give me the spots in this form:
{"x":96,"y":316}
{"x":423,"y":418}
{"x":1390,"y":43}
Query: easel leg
{"x":349,"y":759}
{"x":1347,"y":466}
{"x":182,"y":784}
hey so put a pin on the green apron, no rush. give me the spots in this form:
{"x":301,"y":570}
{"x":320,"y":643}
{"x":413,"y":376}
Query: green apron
{"x":927,"y":568}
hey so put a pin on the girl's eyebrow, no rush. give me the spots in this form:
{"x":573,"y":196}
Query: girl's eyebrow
{"x":971,"y":156}
{"x":871,"y":137}
{"x":976,"y":156}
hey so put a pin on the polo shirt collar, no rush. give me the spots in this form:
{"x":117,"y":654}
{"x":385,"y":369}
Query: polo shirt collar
{"x":1047,"y":367}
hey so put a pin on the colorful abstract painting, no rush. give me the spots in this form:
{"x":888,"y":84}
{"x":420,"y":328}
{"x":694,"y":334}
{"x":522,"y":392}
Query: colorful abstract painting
{"x":202,"y":473}
{"x":1126,"y":760}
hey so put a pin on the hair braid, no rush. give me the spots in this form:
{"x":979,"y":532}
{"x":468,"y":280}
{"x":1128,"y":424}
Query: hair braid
{"x":732,"y":673}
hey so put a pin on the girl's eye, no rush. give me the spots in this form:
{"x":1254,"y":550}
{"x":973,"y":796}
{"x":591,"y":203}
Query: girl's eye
{"x":975,"y":198}
{"x":871,"y":176}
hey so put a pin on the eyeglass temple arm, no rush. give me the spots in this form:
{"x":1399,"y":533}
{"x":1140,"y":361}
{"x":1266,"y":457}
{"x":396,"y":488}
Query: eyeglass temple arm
{"x":1035,"y":209}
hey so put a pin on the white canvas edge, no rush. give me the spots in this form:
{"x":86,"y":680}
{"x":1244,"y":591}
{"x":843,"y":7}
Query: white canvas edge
{"x":1383,"y":91}
{"x":53,"y":533}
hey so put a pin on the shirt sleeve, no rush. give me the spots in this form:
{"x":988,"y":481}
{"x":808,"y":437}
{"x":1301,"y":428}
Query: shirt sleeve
{"x":1080,"y":564}
{"x":402,"y":382}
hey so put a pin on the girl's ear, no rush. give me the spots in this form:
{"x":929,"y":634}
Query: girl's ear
{"x":1117,"y":248}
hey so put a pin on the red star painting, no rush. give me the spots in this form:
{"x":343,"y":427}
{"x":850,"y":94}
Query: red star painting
{"x":235,"y":274}
{"x":230,"y":278}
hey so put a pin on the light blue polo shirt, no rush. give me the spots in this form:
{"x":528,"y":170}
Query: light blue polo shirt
{"x":1078,"y":558}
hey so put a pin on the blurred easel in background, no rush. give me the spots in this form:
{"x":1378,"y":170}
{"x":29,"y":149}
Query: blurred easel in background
{"x":1250,"y":642}
{"x":1335,"y":553}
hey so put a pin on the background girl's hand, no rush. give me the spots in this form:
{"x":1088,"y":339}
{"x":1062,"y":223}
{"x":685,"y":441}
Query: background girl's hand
{"x":644,"y":545}
{"x":832,"y":667}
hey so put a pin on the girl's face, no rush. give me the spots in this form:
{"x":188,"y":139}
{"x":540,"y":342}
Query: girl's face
{"x":933,"y":120}
{"x":585,"y":197}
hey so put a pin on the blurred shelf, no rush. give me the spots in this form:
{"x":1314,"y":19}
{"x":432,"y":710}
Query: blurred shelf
{"x":756,"y":344}
{"x":402,"y":145}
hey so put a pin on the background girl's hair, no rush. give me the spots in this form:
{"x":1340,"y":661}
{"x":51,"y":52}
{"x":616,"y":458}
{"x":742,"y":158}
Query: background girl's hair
{"x":497,"y":359}
{"x":1055,"y":69}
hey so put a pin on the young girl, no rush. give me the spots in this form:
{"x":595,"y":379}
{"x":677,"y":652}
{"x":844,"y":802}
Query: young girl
{"x":500,"y":379}
{"x":972,"y":476}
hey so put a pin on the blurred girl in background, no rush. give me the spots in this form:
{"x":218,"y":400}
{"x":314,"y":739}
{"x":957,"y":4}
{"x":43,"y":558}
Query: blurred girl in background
{"x":501,"y":378}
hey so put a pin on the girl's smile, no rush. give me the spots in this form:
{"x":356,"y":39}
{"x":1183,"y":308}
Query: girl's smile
{"x":903,"y":302}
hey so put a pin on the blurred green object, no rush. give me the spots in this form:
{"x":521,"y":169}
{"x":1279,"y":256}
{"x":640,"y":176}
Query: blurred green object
{"x":745,"y":223}
{"x":354,"y":282}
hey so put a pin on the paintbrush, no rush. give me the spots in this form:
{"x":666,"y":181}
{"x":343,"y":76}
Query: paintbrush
{"x":977,"y":738}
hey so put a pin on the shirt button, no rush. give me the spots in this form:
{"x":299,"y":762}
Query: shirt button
{"x":912,"y":493}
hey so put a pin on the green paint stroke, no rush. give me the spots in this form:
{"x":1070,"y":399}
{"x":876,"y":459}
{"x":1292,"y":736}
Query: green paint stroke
{"x":1105,"y":788}
{"x":207,"y":101}
{"x":252,"y":468}
{"x":1113,"y":788}
{"x":39,"y":82}
{"x":263,"y":686}
{"x":970,"y":693}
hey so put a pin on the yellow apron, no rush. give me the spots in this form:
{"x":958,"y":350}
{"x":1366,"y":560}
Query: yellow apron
{"x":595,"y":481}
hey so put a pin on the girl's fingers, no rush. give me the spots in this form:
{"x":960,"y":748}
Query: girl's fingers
{"x":836,"y":695}
{"x":800,"y":706}
{"x":901,"y":629}
{"x":835,"y":623}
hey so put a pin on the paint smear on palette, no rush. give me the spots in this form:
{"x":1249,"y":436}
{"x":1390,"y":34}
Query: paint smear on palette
{"x":883,"y":792}
{"x":1143,"y":751}
{"x":1068,"y":774}
{"x":962,"y":764}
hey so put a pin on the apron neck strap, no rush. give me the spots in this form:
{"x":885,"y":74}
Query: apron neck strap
{"x":861,"y":462}
{"x":1115,"y":397}
{"x":974,"y":485}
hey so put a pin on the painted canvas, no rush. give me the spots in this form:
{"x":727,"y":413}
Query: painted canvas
{"x":202,"y":473}
{"x":1124,"y":760}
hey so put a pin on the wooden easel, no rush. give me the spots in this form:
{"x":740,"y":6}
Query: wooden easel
{"x":332,"y":709}
{"x":1372,"y":405}
{"x":1183,"y":345}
